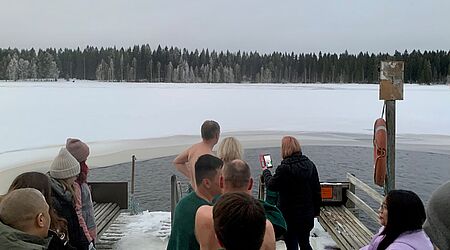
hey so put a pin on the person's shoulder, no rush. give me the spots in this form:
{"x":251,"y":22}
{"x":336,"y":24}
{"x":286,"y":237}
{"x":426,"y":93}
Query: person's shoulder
{"x":401,"y":246}
{"x":190,"y":199}
{"x":412,"y":240}
{"x":204,"y":213}
{"x":199,"y":149}
{"x":187,"y":198}
{"x":205,"y":210}
{"x":269,"y":226}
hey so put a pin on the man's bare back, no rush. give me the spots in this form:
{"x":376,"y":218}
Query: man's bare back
{"x":185,"y":162}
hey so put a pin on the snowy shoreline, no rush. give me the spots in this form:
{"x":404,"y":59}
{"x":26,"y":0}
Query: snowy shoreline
{"x":108,"y":153}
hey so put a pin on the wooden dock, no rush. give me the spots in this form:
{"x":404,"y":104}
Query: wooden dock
{"x":110,"y":200}
{"x":341,"y":223}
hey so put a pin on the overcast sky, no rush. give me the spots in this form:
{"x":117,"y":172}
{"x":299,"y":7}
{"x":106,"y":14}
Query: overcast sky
{"x":264,"y":26}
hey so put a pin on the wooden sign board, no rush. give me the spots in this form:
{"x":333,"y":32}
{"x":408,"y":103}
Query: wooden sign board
{"x":391,"y":80}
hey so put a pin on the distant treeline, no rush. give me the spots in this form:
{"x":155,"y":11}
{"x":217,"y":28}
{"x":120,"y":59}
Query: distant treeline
{"x":141,"y":63}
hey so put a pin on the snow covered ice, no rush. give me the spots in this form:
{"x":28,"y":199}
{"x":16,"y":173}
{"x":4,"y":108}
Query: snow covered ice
{"x":41,"y":114}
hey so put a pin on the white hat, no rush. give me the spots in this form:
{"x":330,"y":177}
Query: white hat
{"x":64,"y":165}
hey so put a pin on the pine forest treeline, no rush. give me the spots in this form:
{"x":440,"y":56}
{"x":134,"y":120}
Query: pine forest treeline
{"x":143,"y":64}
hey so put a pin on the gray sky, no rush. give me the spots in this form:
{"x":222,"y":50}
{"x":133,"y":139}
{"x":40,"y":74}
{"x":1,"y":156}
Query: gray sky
{"x":265,"y":26}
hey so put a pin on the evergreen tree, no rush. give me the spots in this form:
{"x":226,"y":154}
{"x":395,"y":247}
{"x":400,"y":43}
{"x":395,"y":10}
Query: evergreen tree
{"x":427,"y":72}
{"x":169,"y":72}
{"x":12,"y":70}
{"x":23,"y":69}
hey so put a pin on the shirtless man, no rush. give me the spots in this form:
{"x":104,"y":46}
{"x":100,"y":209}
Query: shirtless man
{"x":185,"y":162}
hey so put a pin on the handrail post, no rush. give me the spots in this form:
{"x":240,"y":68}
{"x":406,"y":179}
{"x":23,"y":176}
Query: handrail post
{"x":349,"y":203}
{"x":133,"y":166}
{"x":173,"y":197}
{"x":261,"y":189}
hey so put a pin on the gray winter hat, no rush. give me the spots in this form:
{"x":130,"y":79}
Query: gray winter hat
{"x":64,"y":165}
{"x":437,"y":225}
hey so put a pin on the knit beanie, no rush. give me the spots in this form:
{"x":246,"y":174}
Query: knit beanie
{"x":64,"y":165}
{"x":78,"y":149}
{"x":437,"y":224}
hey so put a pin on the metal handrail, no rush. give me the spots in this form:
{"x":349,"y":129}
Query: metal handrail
{"x":175,"y":195}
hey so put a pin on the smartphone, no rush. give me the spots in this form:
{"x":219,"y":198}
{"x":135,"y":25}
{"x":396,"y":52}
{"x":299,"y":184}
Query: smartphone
{"x":265,"y":160}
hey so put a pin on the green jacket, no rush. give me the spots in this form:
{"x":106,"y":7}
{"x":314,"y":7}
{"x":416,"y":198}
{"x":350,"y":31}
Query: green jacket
{"x":274,"y":215}
{"x":13,"y":239}
{"x":182,"y":235}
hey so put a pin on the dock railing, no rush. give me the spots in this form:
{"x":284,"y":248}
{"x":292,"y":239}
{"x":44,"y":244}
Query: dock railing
{"x":369,"y":191}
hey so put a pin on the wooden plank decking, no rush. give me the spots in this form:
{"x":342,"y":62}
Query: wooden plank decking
{"x":107,"y":233}
{"x":344,"y":227}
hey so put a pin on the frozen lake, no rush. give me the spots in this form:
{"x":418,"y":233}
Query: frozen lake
{"x":40,"y":114}
{"x":37,"y":117}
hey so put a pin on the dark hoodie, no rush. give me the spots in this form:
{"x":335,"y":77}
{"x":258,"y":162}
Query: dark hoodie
{"x":297,"y":182}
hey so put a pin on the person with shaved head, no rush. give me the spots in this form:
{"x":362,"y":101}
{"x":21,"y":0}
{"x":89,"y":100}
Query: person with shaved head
{"x":24,"y":220}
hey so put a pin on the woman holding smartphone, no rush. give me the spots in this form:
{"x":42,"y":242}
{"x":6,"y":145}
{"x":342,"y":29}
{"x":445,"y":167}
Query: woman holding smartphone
{"x":297,"y":182}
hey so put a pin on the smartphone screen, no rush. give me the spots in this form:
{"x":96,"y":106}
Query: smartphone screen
{"x":268,"y":161}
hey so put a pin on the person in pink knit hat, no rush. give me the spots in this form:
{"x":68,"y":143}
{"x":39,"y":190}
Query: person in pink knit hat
{"x":83,"y":200}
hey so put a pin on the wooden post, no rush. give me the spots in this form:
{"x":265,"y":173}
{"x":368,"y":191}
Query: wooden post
{"x":173,"y":197}
{"x":390,"y":126}
{"x":133,"y":165}
{"x":391,"y":89}
{"x":350,"y":204}
{"x":262,"y":189}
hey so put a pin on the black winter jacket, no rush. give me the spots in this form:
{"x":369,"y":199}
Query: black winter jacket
{"x":57,"y":243}
{"x":297,"y":182}
{"x":63,"y":205}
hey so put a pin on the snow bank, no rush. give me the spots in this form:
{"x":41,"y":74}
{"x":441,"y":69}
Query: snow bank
{"x":150,"y":230}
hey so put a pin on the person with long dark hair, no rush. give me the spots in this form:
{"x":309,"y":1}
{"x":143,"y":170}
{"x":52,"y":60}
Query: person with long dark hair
{"x":401,"y":215}
{"x":297,"y":182}
{"x":58,"y":225}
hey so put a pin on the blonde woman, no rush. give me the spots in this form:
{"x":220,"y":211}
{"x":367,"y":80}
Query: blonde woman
{"x":230,"y":149}
{"x":64,"y":171}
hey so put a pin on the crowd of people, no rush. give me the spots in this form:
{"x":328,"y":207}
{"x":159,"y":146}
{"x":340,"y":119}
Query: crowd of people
{"x":54,"y":210}
{"x":220,"y":212}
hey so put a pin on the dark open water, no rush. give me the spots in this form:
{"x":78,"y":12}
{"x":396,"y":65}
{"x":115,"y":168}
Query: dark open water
{"x":420,"y":172}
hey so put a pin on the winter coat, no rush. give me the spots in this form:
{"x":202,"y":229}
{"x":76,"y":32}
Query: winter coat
{"x":85,"y":210}
{"x":411,"y":240}
{"x":64,"y":205}
{"x":57,"y":243}
{"x":297,"y":182}
{"x":11,"y":238}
